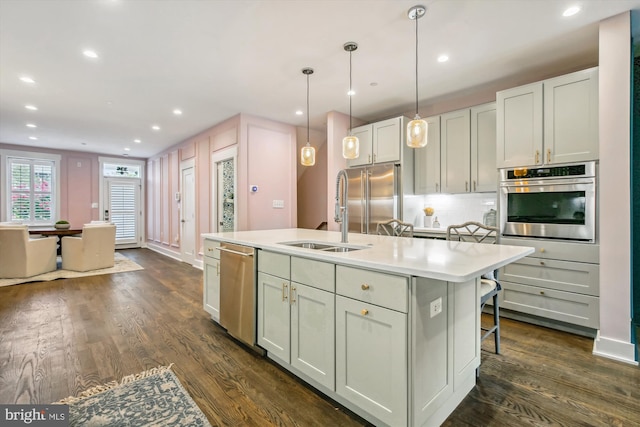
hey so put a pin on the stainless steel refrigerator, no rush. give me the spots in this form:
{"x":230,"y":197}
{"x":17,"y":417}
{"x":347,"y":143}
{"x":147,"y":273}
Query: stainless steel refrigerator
{"x":373,"y":196}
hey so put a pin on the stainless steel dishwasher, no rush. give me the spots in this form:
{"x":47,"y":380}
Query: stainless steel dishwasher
{"x":238,"y":292}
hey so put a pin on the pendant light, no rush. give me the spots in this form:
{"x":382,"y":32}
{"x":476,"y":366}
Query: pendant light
{"x":417,"y":128}
{"x":308,"y":153}
{"x":350,"y":143}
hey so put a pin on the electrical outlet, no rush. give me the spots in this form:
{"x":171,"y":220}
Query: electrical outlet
{"x":436,"y":307}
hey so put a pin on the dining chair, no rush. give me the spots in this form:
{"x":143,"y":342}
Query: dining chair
{"x":475,"y":232}
{"x":395,"y":227}
{"x":93,"y":250}
{"x":22,"y":256}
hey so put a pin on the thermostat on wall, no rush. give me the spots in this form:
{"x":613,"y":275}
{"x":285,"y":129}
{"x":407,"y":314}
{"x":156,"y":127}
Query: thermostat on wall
{"x":253,"y":188}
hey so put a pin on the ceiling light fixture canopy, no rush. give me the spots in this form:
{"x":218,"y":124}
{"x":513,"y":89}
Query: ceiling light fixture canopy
{"x":417,"y":128}
{"x":308,"y":153}
{"x":350,"y":143}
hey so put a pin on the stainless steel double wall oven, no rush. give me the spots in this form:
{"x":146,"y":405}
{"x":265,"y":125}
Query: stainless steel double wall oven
{"x":553,"y":202}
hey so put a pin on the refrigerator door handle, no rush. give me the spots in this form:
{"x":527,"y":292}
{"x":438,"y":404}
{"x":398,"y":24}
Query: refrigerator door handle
{"x":363,"y":201}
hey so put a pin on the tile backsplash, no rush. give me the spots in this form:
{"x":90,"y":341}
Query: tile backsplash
{"x":448,"y":208}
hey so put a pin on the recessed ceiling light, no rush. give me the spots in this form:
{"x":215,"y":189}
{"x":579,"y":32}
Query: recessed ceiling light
{"x":351,"y":92}
{"x":443,"y":58}
{"x":571,"y":11}
{"x":83,"y":143}
{"x":31,"y":125}
{"x":90,"y":54}
{"x":299,"y":112}
{"x":137,"y":141}
{"x":155,"y":127}
{"x":27,"y":79}
{"x":373,"y":84}
{"x":177,"y":112}
{"x":33,"y":138}
{"x":31,"y":107}
{"x":127,"y":149}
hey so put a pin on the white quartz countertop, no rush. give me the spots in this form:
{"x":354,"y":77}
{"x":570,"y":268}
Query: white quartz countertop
{"x":436,"y":259}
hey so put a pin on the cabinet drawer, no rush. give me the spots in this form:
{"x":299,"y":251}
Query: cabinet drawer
{"x":567,"y":251}
{"x":210,"y":249}
{"x":317,"y":274}
{"x":278,"y":265}
{"x":381,"y":289}
{"x":567,"y":276}
{"x":566,"y":307}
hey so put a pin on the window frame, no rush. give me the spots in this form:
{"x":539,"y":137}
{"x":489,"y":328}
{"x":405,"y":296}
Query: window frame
{"x":6,"y":157}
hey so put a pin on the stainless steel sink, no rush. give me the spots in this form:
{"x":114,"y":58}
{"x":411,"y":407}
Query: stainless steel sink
{"x":324,"y":246}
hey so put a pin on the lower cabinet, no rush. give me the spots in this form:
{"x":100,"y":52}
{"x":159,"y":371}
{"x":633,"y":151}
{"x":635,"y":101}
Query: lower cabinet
{"x":296,"y":322}
{"x":211,"y":288}
{"x":371,"y":359}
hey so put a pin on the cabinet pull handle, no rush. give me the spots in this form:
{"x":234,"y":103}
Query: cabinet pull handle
{"x":364,"y":311}
{"x":364,"y":286}
{"x":466,"y":186}
{"x":474,"y":185}
{"x":436,"y":187}
{"x":292,"y":295}
{"x":284,"y":291}
{"x":548,"y":155}
{"x":217,"y":269}
{"x":537,"y":156}
{"x":374,"y":157}
{"x":369,"y":158}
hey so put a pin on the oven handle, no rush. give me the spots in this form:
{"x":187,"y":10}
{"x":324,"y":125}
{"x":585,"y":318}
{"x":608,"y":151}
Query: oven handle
{"x":546,"y":183}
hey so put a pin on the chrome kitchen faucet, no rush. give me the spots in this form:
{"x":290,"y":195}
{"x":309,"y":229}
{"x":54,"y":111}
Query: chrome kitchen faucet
{"x":342,"y":213}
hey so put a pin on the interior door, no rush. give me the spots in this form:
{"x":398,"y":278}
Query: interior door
{"x":188,"y":215}
{"x":123,"y":208}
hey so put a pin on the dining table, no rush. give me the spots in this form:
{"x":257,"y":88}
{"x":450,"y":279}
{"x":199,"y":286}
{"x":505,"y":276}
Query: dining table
{"x":58,"y":232}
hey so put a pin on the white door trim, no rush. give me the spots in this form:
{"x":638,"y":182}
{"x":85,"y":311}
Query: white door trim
{"x":216,"y":157}
{"x":184,"y":255}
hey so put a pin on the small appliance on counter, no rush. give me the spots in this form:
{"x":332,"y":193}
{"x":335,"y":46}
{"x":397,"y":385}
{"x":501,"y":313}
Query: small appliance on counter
{"x":489,"y":218}
{"x":436,"y":223}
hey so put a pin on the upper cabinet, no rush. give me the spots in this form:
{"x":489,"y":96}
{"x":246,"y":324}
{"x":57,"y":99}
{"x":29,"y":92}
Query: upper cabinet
{"x":549,"y":122}
{"x":380,"y":142}
{"x":460,"y":156}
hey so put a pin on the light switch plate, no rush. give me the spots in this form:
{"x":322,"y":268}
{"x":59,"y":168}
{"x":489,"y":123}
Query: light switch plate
{"x":278,"y":204}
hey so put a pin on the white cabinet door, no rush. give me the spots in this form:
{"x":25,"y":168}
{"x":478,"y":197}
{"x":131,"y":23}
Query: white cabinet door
{"x":387,"y":137}
{"x":371,"y":359}
{"x":519,"y":126}
{"x":455,"y":150}
{"x":365,"y":138}
{"x":273,"y":316}
{"x":211,"y":291}
{"x":427,"y":161}
{"x":313,"y":333}
{"x":484,"y":174}
{"x":571,"y":117}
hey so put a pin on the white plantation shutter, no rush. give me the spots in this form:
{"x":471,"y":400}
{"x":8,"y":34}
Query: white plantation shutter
{"x":123,"y":211}
{"x":32,"y":188}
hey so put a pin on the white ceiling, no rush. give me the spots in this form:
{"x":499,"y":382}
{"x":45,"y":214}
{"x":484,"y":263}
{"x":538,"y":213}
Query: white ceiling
{"x":216,"y":58}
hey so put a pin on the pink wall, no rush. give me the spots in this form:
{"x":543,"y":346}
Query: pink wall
{"x":312,"y":190}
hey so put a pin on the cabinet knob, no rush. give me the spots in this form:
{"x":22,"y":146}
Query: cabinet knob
{"x":364,"y":312}
{"x":209,"y":249}
{"x":541,"y":262}
{"x":541,"y":292}
{"x":541,"y":249}
{"x":364,"y":287}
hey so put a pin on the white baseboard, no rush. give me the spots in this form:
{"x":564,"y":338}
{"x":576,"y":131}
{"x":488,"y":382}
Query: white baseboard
{"x":621,"y":351}
{"x":172,"y":254}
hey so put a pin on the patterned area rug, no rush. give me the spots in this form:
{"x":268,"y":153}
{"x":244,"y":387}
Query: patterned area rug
{"x":151,"y":398}
{"x":121,"y":264}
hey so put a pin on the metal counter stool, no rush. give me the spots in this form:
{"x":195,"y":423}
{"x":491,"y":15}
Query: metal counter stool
{"x":395,"y":227}
{"x":476,"y":232}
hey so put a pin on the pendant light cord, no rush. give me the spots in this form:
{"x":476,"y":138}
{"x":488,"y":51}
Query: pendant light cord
{"x":350,"y":94}
{"x":307,"y":108}
{"x":417,"y":17}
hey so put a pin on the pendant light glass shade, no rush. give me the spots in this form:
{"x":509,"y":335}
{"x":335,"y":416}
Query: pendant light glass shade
{"x":350,"y":147}
{"x":350,"y":143}
{"x":308,"y":153}
{"x":417,"y":129}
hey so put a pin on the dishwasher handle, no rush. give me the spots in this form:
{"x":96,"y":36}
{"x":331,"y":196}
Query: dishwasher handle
{"x":234,"y":252}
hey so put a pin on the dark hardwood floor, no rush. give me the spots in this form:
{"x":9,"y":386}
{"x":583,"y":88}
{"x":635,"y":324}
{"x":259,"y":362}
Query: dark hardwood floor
{"x":59,"y":338}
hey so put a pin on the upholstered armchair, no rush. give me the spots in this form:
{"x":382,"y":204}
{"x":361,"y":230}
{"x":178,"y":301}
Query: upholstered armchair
{"x":21,"y":256}
{"x":95,"y":249}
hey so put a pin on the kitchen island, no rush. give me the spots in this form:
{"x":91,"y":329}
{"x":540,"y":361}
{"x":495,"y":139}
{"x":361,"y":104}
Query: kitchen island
{"x":386,"y":326}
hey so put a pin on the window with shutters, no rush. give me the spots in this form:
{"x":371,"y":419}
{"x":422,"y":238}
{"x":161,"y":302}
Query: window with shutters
{"x":31,"y":189}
